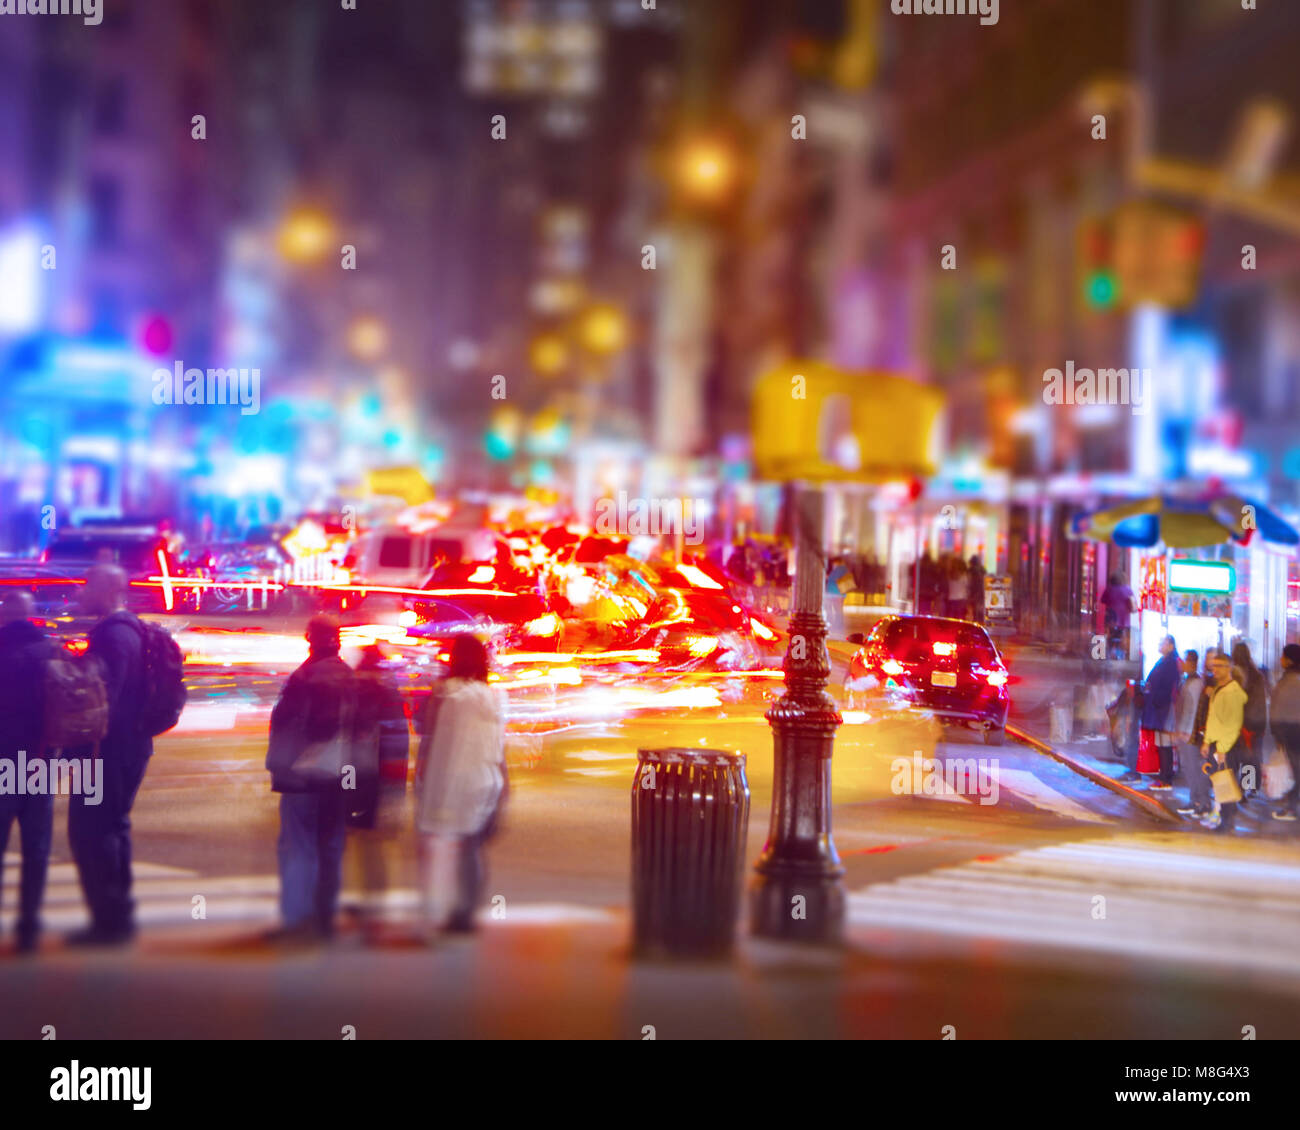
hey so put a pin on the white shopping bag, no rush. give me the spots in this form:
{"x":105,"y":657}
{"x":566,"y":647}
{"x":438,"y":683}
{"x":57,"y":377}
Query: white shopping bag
{"x":1278,"y":778}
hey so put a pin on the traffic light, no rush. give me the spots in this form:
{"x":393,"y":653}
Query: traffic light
{"x":1158,"y":254}
{"x":1098,"y":284}
{"x":1140,"y":253}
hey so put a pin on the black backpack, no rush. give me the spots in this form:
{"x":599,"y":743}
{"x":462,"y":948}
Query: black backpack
{"x":162,"y":683}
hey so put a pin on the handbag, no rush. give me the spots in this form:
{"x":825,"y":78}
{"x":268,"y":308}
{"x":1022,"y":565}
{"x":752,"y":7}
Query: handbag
{"x":322,"y":763}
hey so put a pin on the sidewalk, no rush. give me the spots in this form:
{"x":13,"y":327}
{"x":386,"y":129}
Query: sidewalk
{"x":1088,"y":746}
{"x":996,"y":947}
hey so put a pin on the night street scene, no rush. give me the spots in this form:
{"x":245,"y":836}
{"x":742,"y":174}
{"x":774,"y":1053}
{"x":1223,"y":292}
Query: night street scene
{"x":620,"y":520}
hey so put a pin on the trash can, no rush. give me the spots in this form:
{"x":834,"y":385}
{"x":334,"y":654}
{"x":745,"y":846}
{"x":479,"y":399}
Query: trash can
{"x":690,"y":816}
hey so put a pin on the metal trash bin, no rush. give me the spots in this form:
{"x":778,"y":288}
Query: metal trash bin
{"x":690,"y":816}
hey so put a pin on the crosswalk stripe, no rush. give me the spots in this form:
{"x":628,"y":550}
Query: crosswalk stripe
{"x":1160,"y":901}
{"x":164,"y":897}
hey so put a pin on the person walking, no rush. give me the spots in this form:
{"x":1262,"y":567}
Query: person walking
{"x":311,"y":747}
{"x":460,"y":780}
{"x":25,"y":651}
{"x":957,"y":588}
{"x":1223,"y":744}
{"x":1159,"y":692}
{"x":975,"y":575}
{"x":1118,"y":604}
{"x":1256,"y":719}
{"x":1189,"y":731}
{"x":99,"y":828}
{"x":383,"y":751}
{"x":1285,"y":719}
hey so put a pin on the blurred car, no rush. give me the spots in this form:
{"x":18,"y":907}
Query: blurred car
{"x":949,"y":668}
{"x":517,"y":621}
{"x":144,"y":554}
{"x":696,"y":630}
{"x":231,"y":567}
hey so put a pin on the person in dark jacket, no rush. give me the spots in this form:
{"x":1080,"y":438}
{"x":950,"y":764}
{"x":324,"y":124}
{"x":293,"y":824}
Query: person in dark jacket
{"x":1158,"y":693}
{"x":1285,"y":718}
{"x":975,"y":575}
{"x":318,"y":701}
{"x":24,"y":651}
{"x":1256,"y":724}
{"x":374,"y":808}
{"x":100,"y":833}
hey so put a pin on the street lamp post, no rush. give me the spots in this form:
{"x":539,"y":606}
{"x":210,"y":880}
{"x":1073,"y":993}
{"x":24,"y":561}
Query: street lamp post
{"x":798,"y":893}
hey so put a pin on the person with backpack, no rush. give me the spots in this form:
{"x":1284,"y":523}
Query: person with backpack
{"x":25,"y":653}
{"x":140,"y":666}
{"x":312,"y":746}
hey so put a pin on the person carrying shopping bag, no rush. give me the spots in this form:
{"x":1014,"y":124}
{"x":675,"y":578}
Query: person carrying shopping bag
{"x":1223,"y":746}
{"x":460,"y":783}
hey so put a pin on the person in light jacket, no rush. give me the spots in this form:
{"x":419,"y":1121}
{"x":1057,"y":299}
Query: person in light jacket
{"x":1224,"y":744}
{"x":460,"y":776}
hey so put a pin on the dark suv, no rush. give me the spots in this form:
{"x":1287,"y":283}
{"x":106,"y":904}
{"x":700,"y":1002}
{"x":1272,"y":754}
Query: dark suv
{"x":948,"y":668}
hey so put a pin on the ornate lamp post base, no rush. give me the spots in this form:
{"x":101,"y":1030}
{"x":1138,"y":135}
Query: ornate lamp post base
{"x":798,"y":892}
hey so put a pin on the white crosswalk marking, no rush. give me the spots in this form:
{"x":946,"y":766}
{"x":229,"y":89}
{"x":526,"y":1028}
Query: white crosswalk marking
{"x":1217,"y":905}
{"x":164,"y":897}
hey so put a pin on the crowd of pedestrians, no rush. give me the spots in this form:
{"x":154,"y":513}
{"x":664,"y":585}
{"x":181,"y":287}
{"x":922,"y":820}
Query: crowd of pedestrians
{"x":338,"y":757}
{"x":1212,"y":727}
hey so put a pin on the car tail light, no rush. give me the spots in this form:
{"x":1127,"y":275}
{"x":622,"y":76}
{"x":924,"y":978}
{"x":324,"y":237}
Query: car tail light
{"x":892,"y":667}
{"x":996,"y":678}
{"x":701,"y":646}
{"x":546,"y":625}
{"x":762,"y":631}
{"x":945,"y":648}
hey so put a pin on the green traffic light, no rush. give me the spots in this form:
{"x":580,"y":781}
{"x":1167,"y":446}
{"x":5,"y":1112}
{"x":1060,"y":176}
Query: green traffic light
{"x":1100,"y":290}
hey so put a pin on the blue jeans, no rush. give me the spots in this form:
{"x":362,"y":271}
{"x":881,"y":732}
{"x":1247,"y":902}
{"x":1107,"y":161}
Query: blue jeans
{"x":100,"y":838}
{"x":310,"y":851}
{"x":35,"y":816}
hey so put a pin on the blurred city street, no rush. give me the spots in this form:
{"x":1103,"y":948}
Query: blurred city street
{"x":626,"y":519}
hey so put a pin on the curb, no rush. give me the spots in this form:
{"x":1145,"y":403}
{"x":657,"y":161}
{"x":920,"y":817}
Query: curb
{"x":1150,"y":804}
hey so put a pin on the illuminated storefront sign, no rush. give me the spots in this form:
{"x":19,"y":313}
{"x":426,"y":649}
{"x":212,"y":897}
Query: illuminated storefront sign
{"x":1202,"y":576}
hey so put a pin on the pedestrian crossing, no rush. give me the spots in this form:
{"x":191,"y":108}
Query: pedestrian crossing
{"x":166,"y":897}
{"x":1018,"y":789}
{"x":1142,"y":895}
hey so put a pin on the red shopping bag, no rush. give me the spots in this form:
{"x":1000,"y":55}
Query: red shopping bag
{"x":1148,"y":757}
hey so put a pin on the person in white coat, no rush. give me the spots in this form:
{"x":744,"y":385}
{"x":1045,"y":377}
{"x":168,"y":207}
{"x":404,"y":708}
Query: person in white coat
{"x":460,"y":779}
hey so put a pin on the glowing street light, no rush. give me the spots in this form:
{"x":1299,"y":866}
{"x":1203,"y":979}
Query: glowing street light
{"x":367,"y":338}
{"x":706,"y":171}
{"x":306,"y":236}
{"x":603,"y":330}
{"x":548,"y":354}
